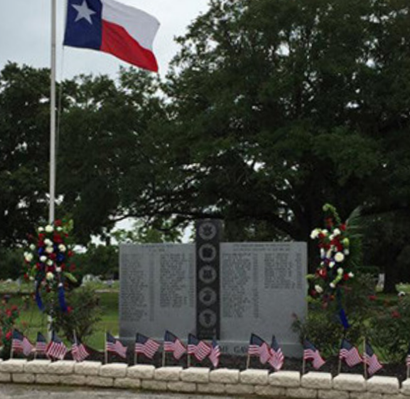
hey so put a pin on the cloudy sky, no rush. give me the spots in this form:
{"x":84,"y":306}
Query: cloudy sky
{"x":25,"y":35}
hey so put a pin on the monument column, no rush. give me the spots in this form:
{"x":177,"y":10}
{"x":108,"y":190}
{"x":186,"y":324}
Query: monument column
{"x":208,"y":238}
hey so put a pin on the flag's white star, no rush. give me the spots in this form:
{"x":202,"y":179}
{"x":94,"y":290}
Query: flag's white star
{"x":83,"y":12}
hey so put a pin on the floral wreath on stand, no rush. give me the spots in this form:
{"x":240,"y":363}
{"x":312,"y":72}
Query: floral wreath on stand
{"x":337,"y":244}
{"x":48,"y":264}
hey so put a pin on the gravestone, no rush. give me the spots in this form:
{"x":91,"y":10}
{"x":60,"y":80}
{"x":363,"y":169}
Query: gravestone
{"x":262,"y":288}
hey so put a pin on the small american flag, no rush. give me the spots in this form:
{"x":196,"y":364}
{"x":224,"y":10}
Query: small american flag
{"x":349,"y":354}
{"x":198,"y":348}
{"x":115,"y":346}
{"x":369,"y":357}
{"x":408,"y":358}
{"x":78,"y":351}
{"x":215,"y":353}
{"x":146,"y":346}
{"x":173,"y":344}
{"x":258,"y":347}
{"x":311,"y":353}
{"x":41,"y":344}
{"x":276,"y":359}
{"x":56,"y":348}
{"x":20,"y":344}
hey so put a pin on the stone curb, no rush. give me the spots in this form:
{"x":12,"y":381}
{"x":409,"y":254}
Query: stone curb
{"x":286,"y":384}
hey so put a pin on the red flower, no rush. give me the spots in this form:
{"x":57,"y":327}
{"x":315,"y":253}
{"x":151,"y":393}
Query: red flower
{"x":70,"y":253}
{"x":53,"y":256}
{"x":58,"y":223}
{"x":41,"y":236}
{"x":8,"y":336}
{"x":26,"y":276}
{"x":372,"y":297}
{"x":57,"y":239}
{"x":346,"y":276}
{"x":395,"y":314}
{"x":72,"y":268}
{"x":343,"y":227}
{"x":69,"y":309}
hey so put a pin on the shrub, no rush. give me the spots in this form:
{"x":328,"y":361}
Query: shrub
{"x":83,"y":314}
{"x":8,"y":317}
{"x":323,"y":326}
{"x":388,"y":330}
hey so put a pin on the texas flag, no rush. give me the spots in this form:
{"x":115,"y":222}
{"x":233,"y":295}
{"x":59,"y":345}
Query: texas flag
{"x":112,"y":27}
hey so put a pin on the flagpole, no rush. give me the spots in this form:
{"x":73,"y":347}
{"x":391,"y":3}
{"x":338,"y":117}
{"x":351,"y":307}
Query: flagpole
{"x":106,"y":352}
{"x":53,"y":112}
{"x":248,"y":361}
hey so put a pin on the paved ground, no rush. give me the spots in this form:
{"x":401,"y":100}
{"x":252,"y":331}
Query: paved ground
{"x":30,"y":392}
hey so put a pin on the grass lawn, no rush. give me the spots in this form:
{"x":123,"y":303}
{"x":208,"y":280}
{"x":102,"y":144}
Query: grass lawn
{"x":32,"y":321}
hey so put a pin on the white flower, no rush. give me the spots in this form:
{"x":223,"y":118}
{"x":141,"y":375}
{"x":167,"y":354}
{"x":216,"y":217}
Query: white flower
{"x":331,"y":264}
{"x":41,"y":229}
{"x":318,"y":289}
{"x":28,"y":257}
{"x":50,"y":262}
{"x":49,"y":250}
{"x":50,"y":276}
{"x":31,"y":278}
{"x":62,"y":248}
{"x":336,"y":232}
{"x":59,"y":228}
{"x":325,"y":232}
{"x":48,"y":242}
{"x":339,"y":257}
{"x":351,"y":275}
{"x":32,"y":247}
{"x":332,"y":285}
{"x":401,"y":293}
{"x":314,"y":234}
{"x":346,"y":252}
{"x":49,"y":228}
{"x":43,"y":258}
{"x":329,"y":254}
{"x":58,"y":269}
{"x":322,"y":253}
{"x":340,"y":271}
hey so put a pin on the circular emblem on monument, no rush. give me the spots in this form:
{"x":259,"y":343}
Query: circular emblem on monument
{"x":207,"y":274}
{"x":207,"y":296}
{"x":207,"y":253}
{"x":207,"y":318}
{"x":207,"y":231}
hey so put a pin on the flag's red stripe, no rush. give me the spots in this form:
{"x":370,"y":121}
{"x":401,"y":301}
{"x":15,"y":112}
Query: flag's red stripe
{"x":117,"y":41}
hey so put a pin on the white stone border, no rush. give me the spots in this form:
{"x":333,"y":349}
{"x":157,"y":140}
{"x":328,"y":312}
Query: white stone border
{"x":313,"y":385}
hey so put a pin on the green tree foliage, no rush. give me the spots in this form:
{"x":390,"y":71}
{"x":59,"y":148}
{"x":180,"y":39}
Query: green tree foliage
{"x":24,"y":126}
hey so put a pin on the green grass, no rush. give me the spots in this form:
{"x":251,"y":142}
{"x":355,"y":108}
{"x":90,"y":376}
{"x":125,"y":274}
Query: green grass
{"x":32,"y":320}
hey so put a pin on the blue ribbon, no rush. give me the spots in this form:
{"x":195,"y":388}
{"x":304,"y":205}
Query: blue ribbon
{"x":38,"y":297}
{"x":61,"y":298}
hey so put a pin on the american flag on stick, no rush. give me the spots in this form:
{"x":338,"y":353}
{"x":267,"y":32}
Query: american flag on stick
{"x":349,"y":354}
{"x":277,"y":358}
{"x":146,"y":346}
{"x":21,"y":344}
{"x":371,"y":360}
{"x":173,"y":344}
{"x":114,"y":345}
{"x":258,"y":347}
{"x":41,"y":344}
{"x":198,"y":348}
{"x":78,"y":351}
{"x":215,"y":353}
{"x":56,"y":348}
{"x":311,"y":353}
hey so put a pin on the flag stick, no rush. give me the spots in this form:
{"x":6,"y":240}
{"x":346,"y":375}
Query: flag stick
{"x":189,"y":360}
{"x":163,"y":357}
{"x":248,"y":361}
{"x":364,"y":359}
{"x":339,"y":369}
{"x":135,"y":357}
{"x":11,"y":346}
{"x":106,"y":352}
{"x":303,"y":365}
